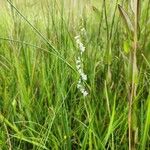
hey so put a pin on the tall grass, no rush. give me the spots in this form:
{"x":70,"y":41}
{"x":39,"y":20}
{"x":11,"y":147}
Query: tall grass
{"x":40,"y":104}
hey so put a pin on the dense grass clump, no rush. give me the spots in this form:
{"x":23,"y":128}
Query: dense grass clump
{"x":74,"y":74}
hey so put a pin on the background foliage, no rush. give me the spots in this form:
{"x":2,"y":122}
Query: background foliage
{"x":40,"y":105}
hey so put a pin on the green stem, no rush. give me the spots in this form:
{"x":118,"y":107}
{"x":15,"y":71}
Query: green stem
{"x":132,"y":105}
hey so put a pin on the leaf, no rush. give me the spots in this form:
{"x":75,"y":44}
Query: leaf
{"x":146,"y":125}
{"x":132,"y":6}
{"x":135,"y":7}
{"x":126,"y":47}
{"x":126,"y":18}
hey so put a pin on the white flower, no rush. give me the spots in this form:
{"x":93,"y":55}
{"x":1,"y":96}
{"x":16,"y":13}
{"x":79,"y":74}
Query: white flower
{"x":77,"y":37}
{"x":78,"y":86}
{"x":80,"y":71}
{"x":79,"y":66}
{"x":82,"y":48}
{"x":78,"y":61}
{"x":79,"y":44}
{"x":82,"y":89}
{"x":85,"y":93}
{"x":84,"y":76}
{"x":79,"y":81}
{"x":83,"y":30}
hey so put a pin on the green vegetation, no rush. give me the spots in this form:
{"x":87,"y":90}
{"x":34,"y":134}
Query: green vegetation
{"x":74,"y":74}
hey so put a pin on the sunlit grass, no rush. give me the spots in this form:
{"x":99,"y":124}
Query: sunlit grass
{"x":40,"y":104}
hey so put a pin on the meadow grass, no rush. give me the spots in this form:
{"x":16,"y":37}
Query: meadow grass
{"x":41,"y":106}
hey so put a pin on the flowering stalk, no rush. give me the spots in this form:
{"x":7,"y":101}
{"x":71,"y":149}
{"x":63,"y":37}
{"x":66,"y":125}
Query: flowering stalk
{"x":79,"y":66}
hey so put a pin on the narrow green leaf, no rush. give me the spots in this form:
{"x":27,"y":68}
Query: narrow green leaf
{"x":147,"y":125}
{"x":126,"y":47}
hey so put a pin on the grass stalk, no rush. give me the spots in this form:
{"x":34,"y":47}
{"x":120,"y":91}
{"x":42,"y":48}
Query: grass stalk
{"x":40,"y":105}
{"x":133,"y":130}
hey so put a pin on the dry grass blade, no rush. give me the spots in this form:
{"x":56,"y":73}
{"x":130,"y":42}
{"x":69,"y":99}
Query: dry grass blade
{"x":126,"y":18}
